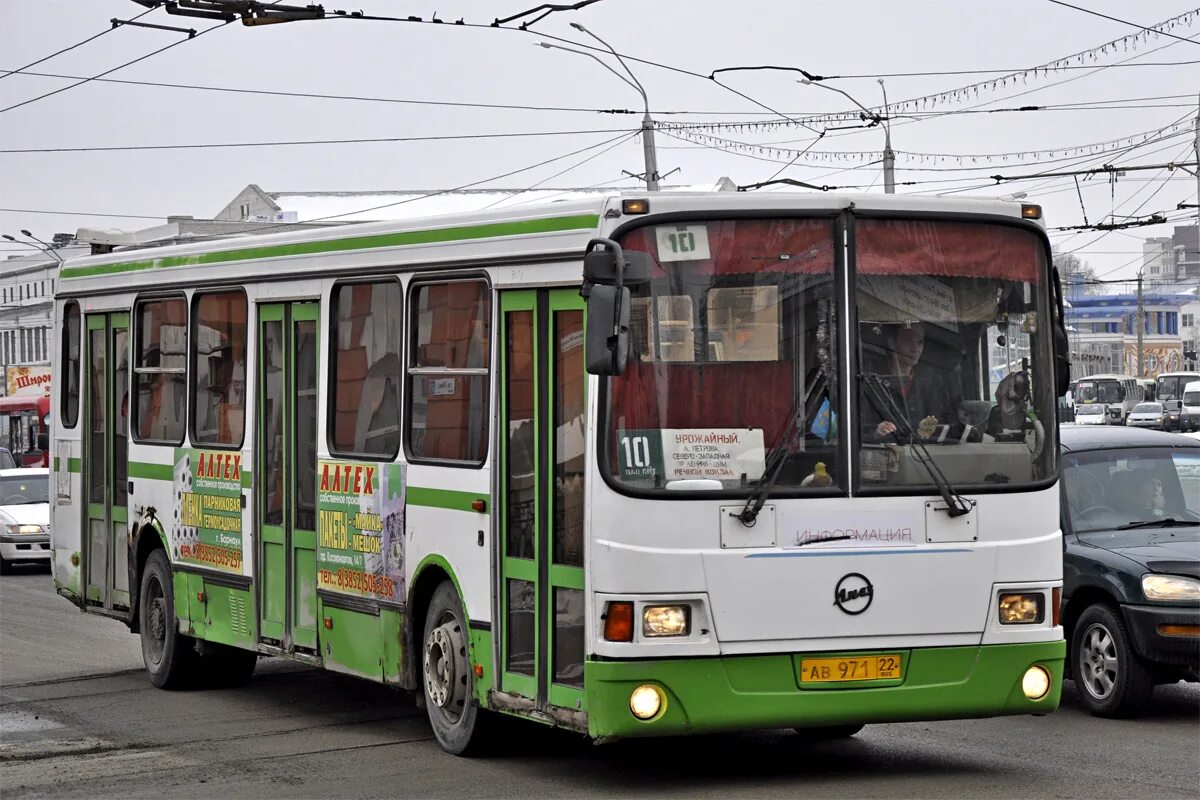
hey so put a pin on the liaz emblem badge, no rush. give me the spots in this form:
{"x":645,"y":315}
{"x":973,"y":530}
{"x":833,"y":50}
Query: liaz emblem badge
{"x":853,"y":593}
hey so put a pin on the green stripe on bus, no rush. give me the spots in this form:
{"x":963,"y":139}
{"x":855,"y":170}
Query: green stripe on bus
{"x":431,"y":236}
{"x":153,"y":472}
{"x":441,"y":498}
{"x":417,"y":495}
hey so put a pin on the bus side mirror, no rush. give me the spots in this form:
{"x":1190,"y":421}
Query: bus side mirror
{"x":607,"y":269}
{"x":1062,"y":345}
{"x":607,"y":330}
{"x":601,"y":266}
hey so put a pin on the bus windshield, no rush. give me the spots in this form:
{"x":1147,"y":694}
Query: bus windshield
{"x":1170,"y":387}
{"x":733,"y":367}
{"x":1101,"y":391}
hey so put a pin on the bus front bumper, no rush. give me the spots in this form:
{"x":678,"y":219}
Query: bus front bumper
{"x":702,"y":695}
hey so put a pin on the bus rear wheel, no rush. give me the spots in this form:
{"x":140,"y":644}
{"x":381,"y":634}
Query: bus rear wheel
{"x":457,"y":721}
{"x":170,"y":657}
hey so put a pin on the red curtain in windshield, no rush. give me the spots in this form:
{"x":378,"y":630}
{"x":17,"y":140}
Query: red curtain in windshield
{"x":939,"y":248}
{"x":712,"y":395}
{"x":750,"y":245}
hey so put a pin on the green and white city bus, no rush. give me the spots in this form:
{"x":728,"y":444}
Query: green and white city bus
{"x":644,"y":466}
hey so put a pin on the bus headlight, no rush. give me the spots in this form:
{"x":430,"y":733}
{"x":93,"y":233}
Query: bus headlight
{"x":1036,"y":683}
{"x":1021,"y":609}
{"x":665,"y":621}
{"x":1170,"y":587}
{"x":645,"y":702}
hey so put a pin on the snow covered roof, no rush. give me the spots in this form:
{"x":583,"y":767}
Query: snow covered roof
{"x":409,"y":203}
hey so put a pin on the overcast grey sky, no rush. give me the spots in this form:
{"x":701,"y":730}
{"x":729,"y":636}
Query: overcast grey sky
{"x":459,"y":64}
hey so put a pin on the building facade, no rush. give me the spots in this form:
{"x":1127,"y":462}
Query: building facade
{"x":1103,"y":332}
{"x":1174,"y":258}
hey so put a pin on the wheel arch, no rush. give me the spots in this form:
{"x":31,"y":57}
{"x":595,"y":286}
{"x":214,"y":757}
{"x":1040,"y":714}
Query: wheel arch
{"x":432,"y":572}
{"x":145,"y":537}
{"x":1079,"y":602}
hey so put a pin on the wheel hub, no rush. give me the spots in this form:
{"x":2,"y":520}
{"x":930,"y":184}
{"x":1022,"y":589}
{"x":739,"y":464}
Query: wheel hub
{"x":1099,"y":661}
{"x":156,"y":622}
{"x":445,"y":668}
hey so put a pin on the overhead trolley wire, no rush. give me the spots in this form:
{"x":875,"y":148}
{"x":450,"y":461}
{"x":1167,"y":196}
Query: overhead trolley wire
{"x":1121,"y":21}
{"x":109,"y":71}
{"x":619,"y":141}
{"x":92,"y":38}
{"x":307,"y":142}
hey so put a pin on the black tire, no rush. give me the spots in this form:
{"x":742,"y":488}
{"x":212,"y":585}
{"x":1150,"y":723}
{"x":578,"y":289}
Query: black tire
{"x":6,"y":567}
{"x":1110,"y":678}
{"x":223,"y":666}
{"x":828,"y":733}
{"x":456,"y":718}
{"x":170,"y":657}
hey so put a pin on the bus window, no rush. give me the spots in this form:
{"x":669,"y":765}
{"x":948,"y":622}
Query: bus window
{"x":365,"y":372}
{"x":70,"y":365}
{"x":161,"y":370}
{"x":219,"y":364}
{"x":448,"y":371}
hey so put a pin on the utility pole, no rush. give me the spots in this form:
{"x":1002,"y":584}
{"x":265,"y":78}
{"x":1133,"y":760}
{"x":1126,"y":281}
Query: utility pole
{"x":649,"y":153}
{"x":1198,"y":160}
{"x":1141,"y":326}
{"x":889,"y":156}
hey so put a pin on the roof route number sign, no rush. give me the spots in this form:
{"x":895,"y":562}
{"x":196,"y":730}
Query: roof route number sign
{"x":682,"y":242}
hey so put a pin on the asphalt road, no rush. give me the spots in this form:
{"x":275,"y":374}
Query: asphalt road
{"x":78,"y":718}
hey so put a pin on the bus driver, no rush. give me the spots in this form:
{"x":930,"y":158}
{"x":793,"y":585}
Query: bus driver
{"x":917,"y":388}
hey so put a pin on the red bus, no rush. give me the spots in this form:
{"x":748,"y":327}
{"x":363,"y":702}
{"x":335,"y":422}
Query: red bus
{"x":28,"y":419}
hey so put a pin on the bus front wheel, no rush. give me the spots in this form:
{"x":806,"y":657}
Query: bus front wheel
{"x":170,"y":657}
{"x":456,"y":719}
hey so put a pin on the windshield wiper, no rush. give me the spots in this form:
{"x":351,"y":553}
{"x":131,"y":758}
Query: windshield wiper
{"x":1166,"y":522}
{"x":773,"y":464}
{"x":879,"y":393}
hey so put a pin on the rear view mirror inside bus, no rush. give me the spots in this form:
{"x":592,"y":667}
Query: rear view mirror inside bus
{"x":607,"y":330}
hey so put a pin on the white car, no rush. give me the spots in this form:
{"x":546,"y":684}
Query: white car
{"x":1189,"y":408}
{"x":1091,"y":414}
{"x":1146,"y":415}
{"x":24,"y":516}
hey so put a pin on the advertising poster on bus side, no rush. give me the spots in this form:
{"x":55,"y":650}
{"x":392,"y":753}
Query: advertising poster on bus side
{"x":206,"y":524}
{"x":360,"y":529}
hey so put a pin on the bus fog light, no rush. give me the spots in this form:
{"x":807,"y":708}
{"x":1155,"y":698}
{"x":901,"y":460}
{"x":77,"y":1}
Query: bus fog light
{"x":1036,"y":682}
{"x":1021,"y":609}
{"x":645,"y":702}
{"x":665,"y":620}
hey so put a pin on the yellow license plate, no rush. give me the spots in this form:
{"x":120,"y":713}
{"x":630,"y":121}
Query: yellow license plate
{"x":859,"y":668}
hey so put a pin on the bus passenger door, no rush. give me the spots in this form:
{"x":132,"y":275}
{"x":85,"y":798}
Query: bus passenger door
{"x":106,"y":477}
{"x":286,"y":475}
{"x":543,"y":393}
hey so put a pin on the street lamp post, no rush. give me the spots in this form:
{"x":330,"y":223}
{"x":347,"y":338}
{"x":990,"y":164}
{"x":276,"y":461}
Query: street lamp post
{"x":889,"y":157}
{"x":649,"y":153}
{"x":45,"y":248}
